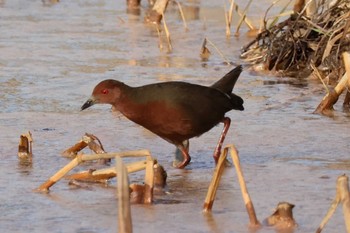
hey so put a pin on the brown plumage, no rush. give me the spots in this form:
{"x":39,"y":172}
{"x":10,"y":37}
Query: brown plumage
{"x":175,"y":111}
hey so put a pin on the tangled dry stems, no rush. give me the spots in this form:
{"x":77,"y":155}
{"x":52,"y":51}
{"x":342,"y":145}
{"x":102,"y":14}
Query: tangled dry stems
{"x":299,"y":43}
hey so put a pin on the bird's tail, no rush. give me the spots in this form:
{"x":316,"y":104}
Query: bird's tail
{"x":226,"y":83}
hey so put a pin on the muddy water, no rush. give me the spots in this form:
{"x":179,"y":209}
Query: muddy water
{"x":51,"y":55}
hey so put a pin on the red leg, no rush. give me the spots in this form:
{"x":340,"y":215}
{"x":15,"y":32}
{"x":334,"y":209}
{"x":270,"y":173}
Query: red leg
{"x":186,"y":156}
{"x":217,"y":152}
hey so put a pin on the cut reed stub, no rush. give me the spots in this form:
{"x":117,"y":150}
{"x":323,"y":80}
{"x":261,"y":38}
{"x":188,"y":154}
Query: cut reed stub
{"x":156,"y":14}
{"x":25,"y":152}
{"x":205,"y":53}
{"x":282,"y":218}
{"x":331,"y":98}
{"x":160,"y":177}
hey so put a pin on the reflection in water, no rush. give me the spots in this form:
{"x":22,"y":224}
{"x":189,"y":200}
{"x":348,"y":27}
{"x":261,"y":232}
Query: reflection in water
{"x":24,"y":167}
{"x":293,"y":82}
{"x":210,"y":220}
{"x":133,"y":7}
{"x":191,"y":12}
{"x":49,"y":2}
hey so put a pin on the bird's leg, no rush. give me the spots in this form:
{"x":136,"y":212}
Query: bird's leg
{"x":217,"y":152}
{"x":179,"y":157}
{"x":186,"y":157}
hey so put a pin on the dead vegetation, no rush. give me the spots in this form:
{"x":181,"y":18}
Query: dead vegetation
{"x":310,"y":42}
{"x":155,"y":181}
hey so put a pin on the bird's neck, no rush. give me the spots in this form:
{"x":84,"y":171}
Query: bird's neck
{"x":129,"y":104}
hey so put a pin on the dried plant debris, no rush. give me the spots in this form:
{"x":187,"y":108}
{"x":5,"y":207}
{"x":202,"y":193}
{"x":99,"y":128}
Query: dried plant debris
{"x":25,"y":152}
{"x":87,"y":140}
{"x":282,"y":217}
{"x":309,"y":36}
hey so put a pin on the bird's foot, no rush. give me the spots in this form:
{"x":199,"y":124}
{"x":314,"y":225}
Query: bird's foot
{"x":181,"y":164}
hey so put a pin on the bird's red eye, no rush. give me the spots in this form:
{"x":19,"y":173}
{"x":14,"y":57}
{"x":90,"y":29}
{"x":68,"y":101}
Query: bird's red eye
{"x":104,"y":91}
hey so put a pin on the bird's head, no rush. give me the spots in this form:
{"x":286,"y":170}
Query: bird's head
{"x":106,"y":92}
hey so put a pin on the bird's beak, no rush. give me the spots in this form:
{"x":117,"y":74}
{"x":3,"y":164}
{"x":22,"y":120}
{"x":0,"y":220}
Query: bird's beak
{"x":88,"y":103}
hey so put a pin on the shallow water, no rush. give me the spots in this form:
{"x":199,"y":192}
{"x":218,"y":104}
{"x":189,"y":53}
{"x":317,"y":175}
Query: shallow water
{"x":52,"y":55}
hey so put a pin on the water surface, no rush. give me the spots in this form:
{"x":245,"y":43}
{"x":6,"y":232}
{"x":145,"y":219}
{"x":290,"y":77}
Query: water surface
{"x":52,"y":55}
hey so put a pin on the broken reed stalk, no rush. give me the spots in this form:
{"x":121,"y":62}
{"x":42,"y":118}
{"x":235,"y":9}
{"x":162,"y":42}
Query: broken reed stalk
{"x":332,"y":96}
{"x":149,"y":183}
{"x":205,"y":53}
{"x":87,"y":140}
{"x":155,"y":15}
{"x":242,"y":15}
{"x":25,"y":150}
{"x":124,"y":211}
{"x":220,"y":53}
{"x":214,"y":184}
{"x":281,"y":13}
{"x":342,"y":196}
{"x":242,"y":18}
{"x":209,"y":200}
{"x":246,"y":197}
{"x":246,"y":20}
{"x":182,"y":15}
{"x":228,"y":18}
{"x":319,"y":76}
{"x":88,"y":157}
{"x":102,"y":175}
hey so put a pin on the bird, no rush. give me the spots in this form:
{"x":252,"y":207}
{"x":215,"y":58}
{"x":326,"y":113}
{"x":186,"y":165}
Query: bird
{"x":175,"y":111}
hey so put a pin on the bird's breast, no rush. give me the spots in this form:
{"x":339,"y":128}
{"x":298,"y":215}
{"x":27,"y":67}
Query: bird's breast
{"x":159,"y":117}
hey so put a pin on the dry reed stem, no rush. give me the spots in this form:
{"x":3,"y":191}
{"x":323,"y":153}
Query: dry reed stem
{"x":236,"y":8}
{"x":242,"y":18}
{"x":209,"y":200}
{"x":214,"y":184}
{"x":247,"y":21}
{"x":246,"y":197}
{"x":182,"y":16}
{"x":124,"y":211}
{"x":87,"y":140}
{"x":319,"y":76}
{"x":331,"y":98}
{"x":160,"y":42}
{"x":101,"y":175}
{"x":156,"y":14}
{"x":281,"y":13}
{"x":73,"y":150}
{"x":267,"y":11}
{"x":149,"y":183}
{"x":228,"y":17}
{"x":58,"y":175}
{"x":220,"y":53}
{"x":346,"y":58}
{"x":170,"y":47}
{"x":88,"y":157}
{"x":342,"y":195}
